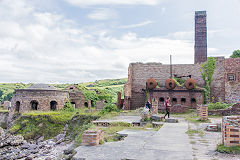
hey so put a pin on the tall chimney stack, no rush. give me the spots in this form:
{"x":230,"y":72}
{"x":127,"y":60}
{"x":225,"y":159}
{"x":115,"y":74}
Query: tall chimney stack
{"x":200,"y":48}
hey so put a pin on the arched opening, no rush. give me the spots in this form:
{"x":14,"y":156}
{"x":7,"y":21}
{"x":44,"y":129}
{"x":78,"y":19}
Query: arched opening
{"x":17,"y":108}
{"x":183,"y":100}
{"x":73,"y":104}
{"x":53,"y":105}
{"x":174,"y":99}
{"x":86,"y":104}
{"x":193,"y":100}
{"x":161,"y":99}
{"x":34,"y":105}
{"x":92,"y":103}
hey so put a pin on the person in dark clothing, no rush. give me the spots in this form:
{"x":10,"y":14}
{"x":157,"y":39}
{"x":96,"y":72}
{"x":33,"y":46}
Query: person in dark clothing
{"x":148,"y":105}
{"x":167,"y":105}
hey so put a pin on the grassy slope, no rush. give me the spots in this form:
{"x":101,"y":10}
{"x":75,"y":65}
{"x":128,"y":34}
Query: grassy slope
{"x":112,"y":85}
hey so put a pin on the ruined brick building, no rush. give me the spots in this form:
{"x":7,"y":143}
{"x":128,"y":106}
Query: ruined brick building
{"x":76,"y":97}
{"x":41,"y":97}
{"x":45,"y":97}
{"x":225,"y":86}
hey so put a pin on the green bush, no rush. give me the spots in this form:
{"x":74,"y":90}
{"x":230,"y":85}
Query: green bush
{"x":68,"y":107}
{"x":109,"y":108}
{"x":218,"y":105}
{"x":223,"y":149}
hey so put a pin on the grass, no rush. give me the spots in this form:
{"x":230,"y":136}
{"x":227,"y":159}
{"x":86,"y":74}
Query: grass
{"x":191,"y":116}
{"x":4,"y":110}
{"x":49,"y":124}
{"x":192,"y":132}
{"x":229,"y":150}
{"x":110,"y":132}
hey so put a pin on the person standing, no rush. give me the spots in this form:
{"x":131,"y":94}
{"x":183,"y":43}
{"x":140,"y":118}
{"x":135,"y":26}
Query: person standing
{"x":167,"y":105}
{"x":9,"y":105}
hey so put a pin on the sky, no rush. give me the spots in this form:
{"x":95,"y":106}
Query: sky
{"x":74,"y":41}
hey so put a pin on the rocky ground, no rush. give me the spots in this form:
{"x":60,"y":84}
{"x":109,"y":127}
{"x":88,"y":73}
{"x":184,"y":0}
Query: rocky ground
{"x":15,"y":147}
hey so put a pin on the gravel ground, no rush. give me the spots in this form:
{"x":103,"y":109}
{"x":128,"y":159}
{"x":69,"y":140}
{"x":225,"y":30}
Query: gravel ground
{"x":204,"y":145}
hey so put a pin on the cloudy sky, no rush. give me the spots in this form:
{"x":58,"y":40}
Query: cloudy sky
{"x":72,"y":41}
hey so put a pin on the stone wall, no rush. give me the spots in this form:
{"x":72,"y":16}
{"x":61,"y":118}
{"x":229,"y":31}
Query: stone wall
{"x":100,"y":105}
{"x":232,"y":87}
{"x":42,"y":97}
{"x":3,"y":119}
{"x":139,"y":73}
{"x":5,"y":105}
{"x":76,"y":97}
{"x":234,"y":110}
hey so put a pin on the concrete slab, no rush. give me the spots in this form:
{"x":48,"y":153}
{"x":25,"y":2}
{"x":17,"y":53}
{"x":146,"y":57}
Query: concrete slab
{"x":170,"y":142}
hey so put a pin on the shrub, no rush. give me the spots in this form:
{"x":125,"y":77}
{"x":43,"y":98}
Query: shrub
{"x":218,"y":105}
{"x":109,"y":108}
{"x":68,"y":107}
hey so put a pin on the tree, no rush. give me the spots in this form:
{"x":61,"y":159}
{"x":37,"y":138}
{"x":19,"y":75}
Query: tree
{"x":207,"y":72}
{"x":235,"y":54}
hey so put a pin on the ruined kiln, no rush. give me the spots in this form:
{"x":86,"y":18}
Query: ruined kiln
{"x":225,"y":85}
{"x":41,"y":97}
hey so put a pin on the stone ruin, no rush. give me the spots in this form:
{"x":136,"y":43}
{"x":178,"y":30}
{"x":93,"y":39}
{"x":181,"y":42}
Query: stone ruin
{"x":45,"y":97}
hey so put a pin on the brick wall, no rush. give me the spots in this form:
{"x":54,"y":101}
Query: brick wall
{"x":232,"y":88}
{"x":76,"y":97}
{"x":6,"y":104}
{"x":140,"y":72}
{"x":200,"y":54}
{"x":43,"y":97}
{"x":92,"y":138}
{"x":231,"y":131}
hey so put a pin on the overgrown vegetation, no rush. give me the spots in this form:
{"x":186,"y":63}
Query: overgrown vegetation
{"x":207,"y":72}
{"x":235,"y":54}
{"x":109,"y":108}
{"x":218,"y":105}
{"x":192,"y":132}
{"x":179,"y":81}
{"x":7,"y":89}
{"x":229,"y":150}
{"x":35,"y":124}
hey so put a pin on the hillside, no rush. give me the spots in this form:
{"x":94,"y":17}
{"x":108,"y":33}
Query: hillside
{"x":111,"y":86}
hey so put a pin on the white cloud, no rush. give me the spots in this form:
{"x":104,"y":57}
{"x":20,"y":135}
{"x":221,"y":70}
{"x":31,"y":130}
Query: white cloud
{"x":137,"y":25}
{"x":46,"y":47}
{"x":83,"y":3}
{"x":103,"y":14}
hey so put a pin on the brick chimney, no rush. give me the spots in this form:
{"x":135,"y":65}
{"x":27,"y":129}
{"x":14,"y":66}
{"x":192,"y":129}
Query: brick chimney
{"x":200,"y":53}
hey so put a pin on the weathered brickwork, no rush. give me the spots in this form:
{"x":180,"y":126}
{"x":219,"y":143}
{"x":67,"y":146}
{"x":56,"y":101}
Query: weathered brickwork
{"x":6,"y":104}
{"x":180,"y":98}
{"x":139,"y":73}
{"x":92,"y":138}
{"x":76,"y":97}
{"x":23,"y":99}
{"x":231,"y":131}
{"x":233,"y":110}
{"x":232,"y":86}
{"x":200,"y":37}
{"x":100,"y":105}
